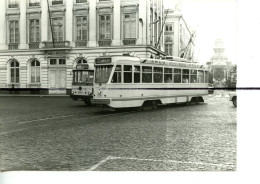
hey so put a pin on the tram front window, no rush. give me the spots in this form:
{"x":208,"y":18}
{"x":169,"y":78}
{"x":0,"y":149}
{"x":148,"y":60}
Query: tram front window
{"x":103,"y":73}
{"x":83,"y":77}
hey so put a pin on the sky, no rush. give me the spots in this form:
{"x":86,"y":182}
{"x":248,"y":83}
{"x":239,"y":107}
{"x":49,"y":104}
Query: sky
{"x":211,"y":19}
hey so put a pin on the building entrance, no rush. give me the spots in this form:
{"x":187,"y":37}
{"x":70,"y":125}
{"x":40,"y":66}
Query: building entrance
{"x":57,"y":76}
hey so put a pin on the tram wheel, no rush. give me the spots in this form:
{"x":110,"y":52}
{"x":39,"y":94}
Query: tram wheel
{"x":139,"y":109}
{"x":88,"y":102}
{"x":154,"y":105}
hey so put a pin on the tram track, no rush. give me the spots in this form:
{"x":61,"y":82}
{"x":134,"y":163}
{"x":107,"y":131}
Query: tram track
{"x":65,"y":119}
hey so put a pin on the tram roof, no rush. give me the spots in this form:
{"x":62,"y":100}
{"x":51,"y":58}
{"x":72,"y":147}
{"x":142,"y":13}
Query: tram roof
{"x":174,"y":61}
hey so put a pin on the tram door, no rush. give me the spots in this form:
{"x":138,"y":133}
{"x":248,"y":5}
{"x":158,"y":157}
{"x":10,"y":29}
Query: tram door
{"x":57,"y":80}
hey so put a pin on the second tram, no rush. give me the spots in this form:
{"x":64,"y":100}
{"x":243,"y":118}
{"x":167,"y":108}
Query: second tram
{"x":82,"y":84}
{"x":125,"y":81}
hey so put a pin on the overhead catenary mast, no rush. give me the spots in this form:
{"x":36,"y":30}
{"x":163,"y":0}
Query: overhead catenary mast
{"x":184,"y":54}
{"x":161,"y":29}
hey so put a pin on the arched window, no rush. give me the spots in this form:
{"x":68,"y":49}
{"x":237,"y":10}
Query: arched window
{"x":35,"y":71}
{"x":15,"y":73}
{"x":81,"y":61}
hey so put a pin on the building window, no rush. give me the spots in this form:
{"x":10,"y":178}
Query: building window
{"x":34,"y":3}
{"x":14,"y":66}
{"x":168,"y":49}
{"x":168,"y":45}
{"x":34,"y":31}
{"x":168,"y":28}
{"x":62,"y":62}
{"x":14,"y":31}
{"x":57,"y":2}
{"x":57,"y":61}
{"x":13,"y":4}
{"x":130,"y":25}
{"x":35,"y":71}
{"x":82,"y":61}
{"x":104,"y":27}
{"x":81,"y":1}
{"x":82,"y":28}
{"x":57,"y":28}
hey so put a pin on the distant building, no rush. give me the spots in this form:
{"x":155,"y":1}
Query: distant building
{"x":219,"y":65}
{"x":38,"y":58}
{"x":178,"y":38}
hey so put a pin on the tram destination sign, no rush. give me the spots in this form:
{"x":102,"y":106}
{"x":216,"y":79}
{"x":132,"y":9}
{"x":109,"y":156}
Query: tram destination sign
{"x":103,"y":60}
{"x":82,"y":66}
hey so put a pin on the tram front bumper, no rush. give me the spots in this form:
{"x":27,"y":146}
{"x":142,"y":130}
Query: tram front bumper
{"x":80,"y":97}
{"x":100,"y":101}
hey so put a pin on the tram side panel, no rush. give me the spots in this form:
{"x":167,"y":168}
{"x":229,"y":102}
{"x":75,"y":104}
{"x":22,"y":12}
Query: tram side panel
{"x":136,"y":95}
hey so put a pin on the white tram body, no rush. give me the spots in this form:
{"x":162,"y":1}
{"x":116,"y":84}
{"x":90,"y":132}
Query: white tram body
{"x":82,"y":84}
{"x":125,"y":81}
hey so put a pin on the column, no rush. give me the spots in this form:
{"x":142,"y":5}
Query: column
{"x":69,"y":18}
{"x":116,"y":23}
{"x":92,"y":24}
{"x":44,"y":21}
{"x":141,"y":40}
{"x":23,"y":42}
{"x":3,"y":44}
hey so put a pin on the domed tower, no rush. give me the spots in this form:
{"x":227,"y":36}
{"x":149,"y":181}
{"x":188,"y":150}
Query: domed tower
{"x":219,"y":63}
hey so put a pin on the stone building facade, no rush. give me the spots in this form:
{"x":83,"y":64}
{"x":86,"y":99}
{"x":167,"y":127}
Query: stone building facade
{"x":178,"y":37}
{"x":41,"y":41}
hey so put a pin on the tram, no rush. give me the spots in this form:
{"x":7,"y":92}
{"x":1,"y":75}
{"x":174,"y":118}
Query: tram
{"x":125,"y":81}
{"x":82,"y":84}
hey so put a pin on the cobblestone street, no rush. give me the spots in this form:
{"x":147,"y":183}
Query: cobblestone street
{"x":56,"y":133}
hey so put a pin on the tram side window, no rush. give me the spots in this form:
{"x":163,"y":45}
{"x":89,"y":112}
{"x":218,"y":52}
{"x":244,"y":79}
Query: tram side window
{"x":157,"y":74}
{"x":127,"y":73}
{"x":167,"y":75}
{"x":206,"y":77}
{"x":177,"y":75}
{"x":79,"y":77}
{"x":117,"y":74}
{"x":84,"y":76}
{"x":90,"y":77}
{"x":193,"y":76}
{"x":136,"y":74}
{"x":185,"y":75}
{"x":75,"y":76}
{"x":200,"y":76}
{"x":147,"y":74}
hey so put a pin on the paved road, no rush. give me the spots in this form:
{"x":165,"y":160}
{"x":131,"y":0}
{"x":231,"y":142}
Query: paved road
{"x":55,"y":133}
